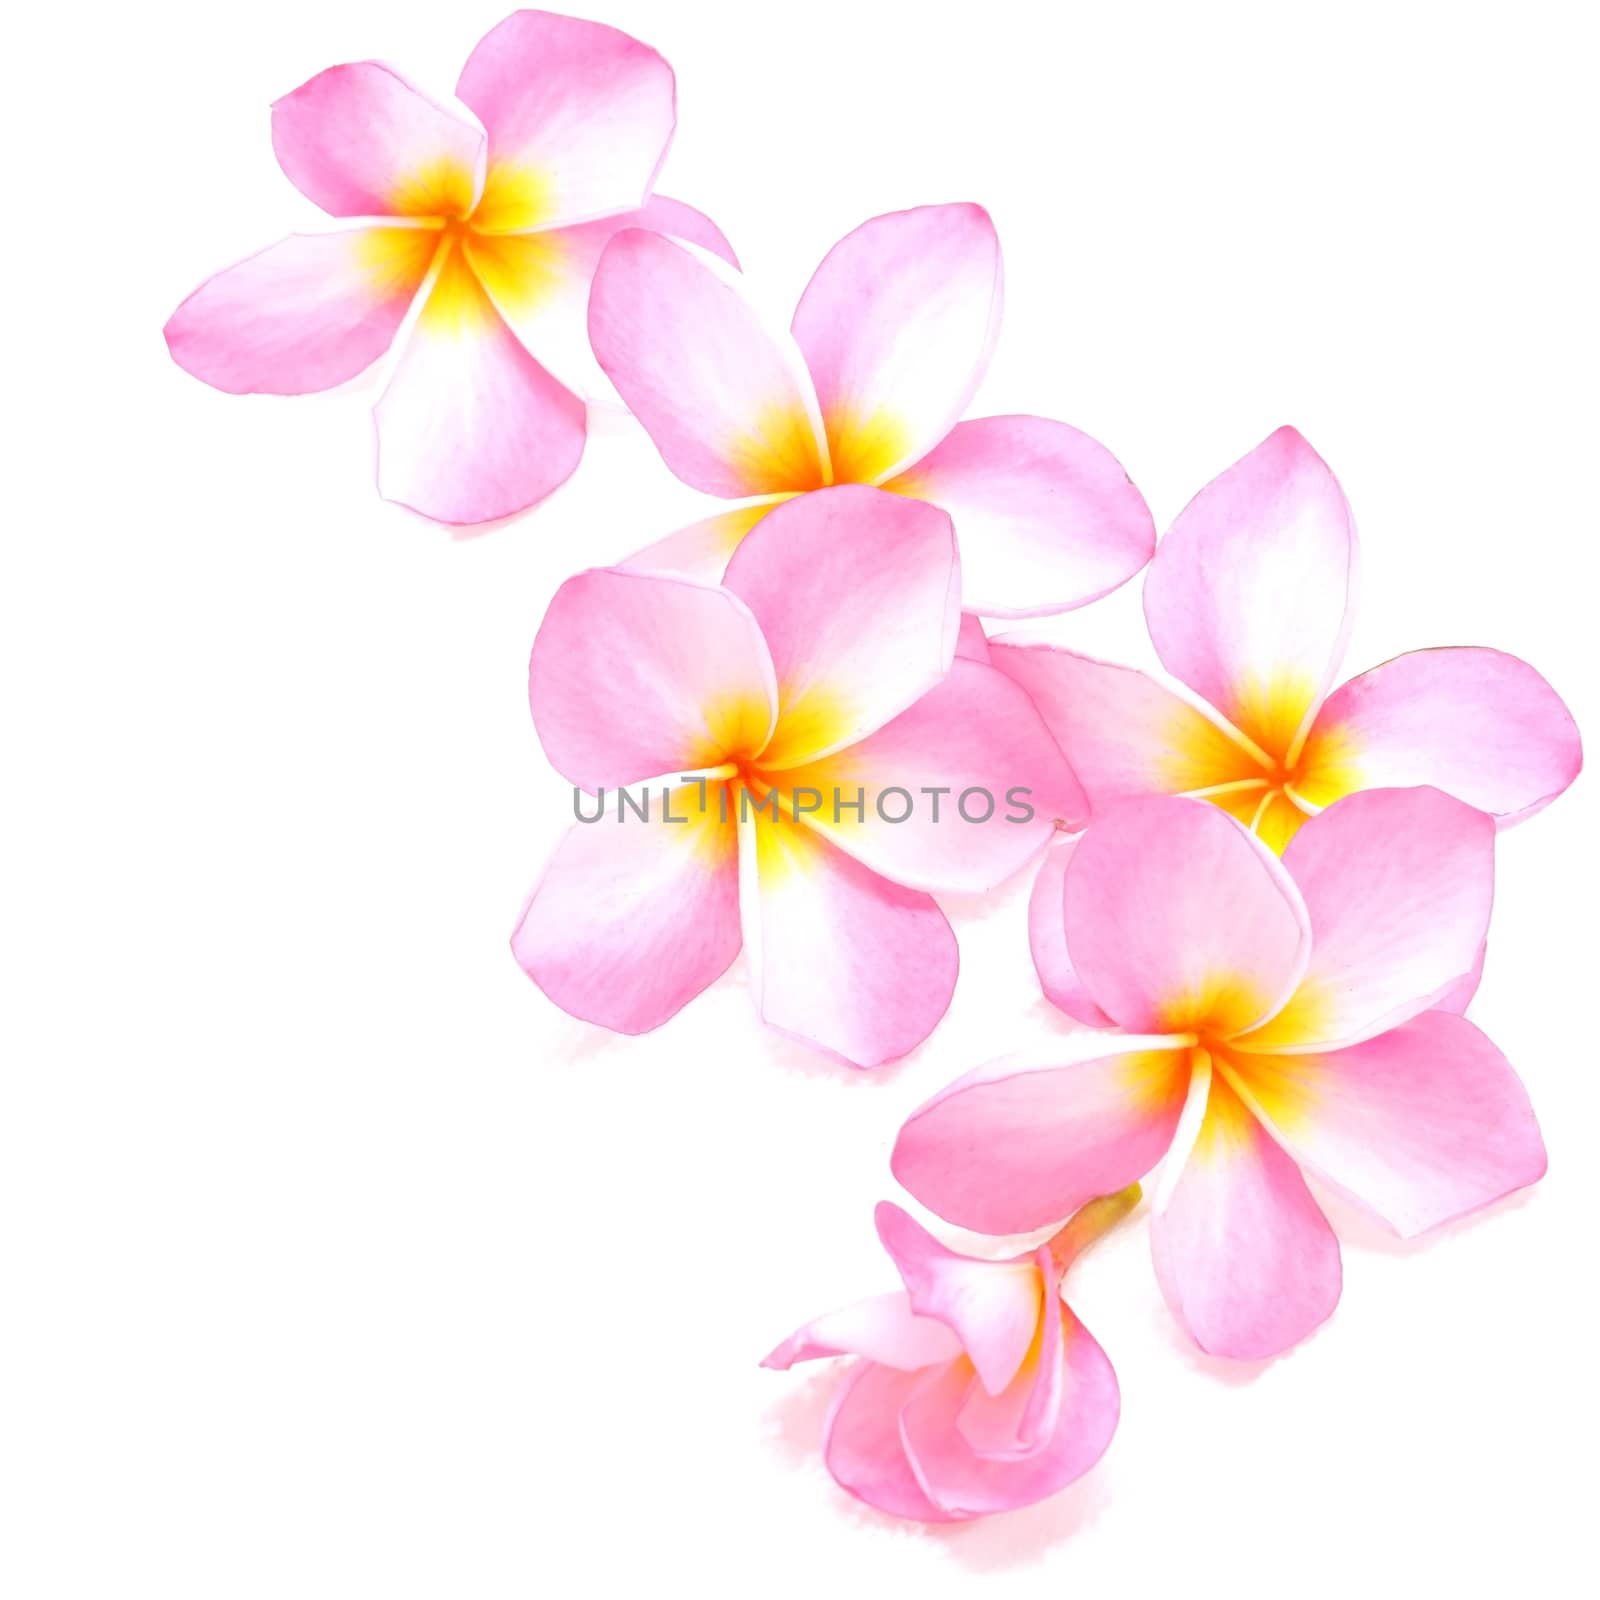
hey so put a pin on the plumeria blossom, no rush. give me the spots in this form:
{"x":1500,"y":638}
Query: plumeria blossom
{"x":824,"y":664}
{"x":886,"y":350}
{"x":1263,"y":1019}
{"x":1249,"y":601}
{"x":488,"y":218}
{"x":977,"y":1390}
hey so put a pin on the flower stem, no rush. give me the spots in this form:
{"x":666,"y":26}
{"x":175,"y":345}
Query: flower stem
{"x":1090,"y":1221}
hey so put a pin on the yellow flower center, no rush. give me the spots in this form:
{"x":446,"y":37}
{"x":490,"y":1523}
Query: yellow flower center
{"x":1270,"y":766}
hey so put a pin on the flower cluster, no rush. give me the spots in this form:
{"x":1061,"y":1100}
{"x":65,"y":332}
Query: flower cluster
{"x":1264,"y":899}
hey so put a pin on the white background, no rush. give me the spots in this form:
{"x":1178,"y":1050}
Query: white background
{"x":335,"y":1260}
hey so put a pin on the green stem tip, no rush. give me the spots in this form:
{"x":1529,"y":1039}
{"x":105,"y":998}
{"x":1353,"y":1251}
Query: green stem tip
{"x":1090,"y":1221}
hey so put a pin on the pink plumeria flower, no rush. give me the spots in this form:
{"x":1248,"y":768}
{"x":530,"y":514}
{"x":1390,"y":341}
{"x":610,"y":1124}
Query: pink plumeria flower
{"x":889,"y":343}
{"x":1249,"y":601}
{"x":1263,"y":1019}
{"x":492,"y":227}
{"x":824,"y":664}
{"x":977,"y":1390}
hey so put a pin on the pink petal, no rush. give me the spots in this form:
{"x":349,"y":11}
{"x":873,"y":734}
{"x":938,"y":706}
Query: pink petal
{"x":1398,"y":884}
{"x":1017,"y":1420}
{"x":304,"y":314}
{"x":1459,"y":995}
{"x":1047,"y":939}
{"x":636,"y":675}
{"x":861,"y":1443}
{"x":539,"y":282}
{"x":579,"y":117}
{"x":883,"y":1329}
{"x":1014,"y":1146}
{"x":729,"y":408}
{"x":1479,"y":724}
{"x":661,"y":215}
{"x":966,"y":1483}
{"x":1078,"y":1400}
{"x":858,"y":594}
{"x":983,"y":783}
{"x":1251,"y":594}
{"x":1046,"y":517}
{"x":841,"y":958}
{"x":703,"y":549}
{"x":1245,"y":1258}
{"x":994,"y":1307}
{"x":1176,"y":918}
{"x":630,"y":922}
{"x":897,"y":326}
{"x":1123,"y":733}
{"x":1422,"y":1124}
{"x":362,"y":142}
{"x":971,"y":642}
{"x":471,"y":427}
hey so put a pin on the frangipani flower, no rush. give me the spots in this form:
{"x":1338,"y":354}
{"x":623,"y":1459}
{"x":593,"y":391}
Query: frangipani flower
{"x":492,"y":226}
{"x":977,"y":1390}
{"x":890,"y":341}
{"x":1249,"y":600}
{"x":826,"y":666}
{"x":1265,"y":1018}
